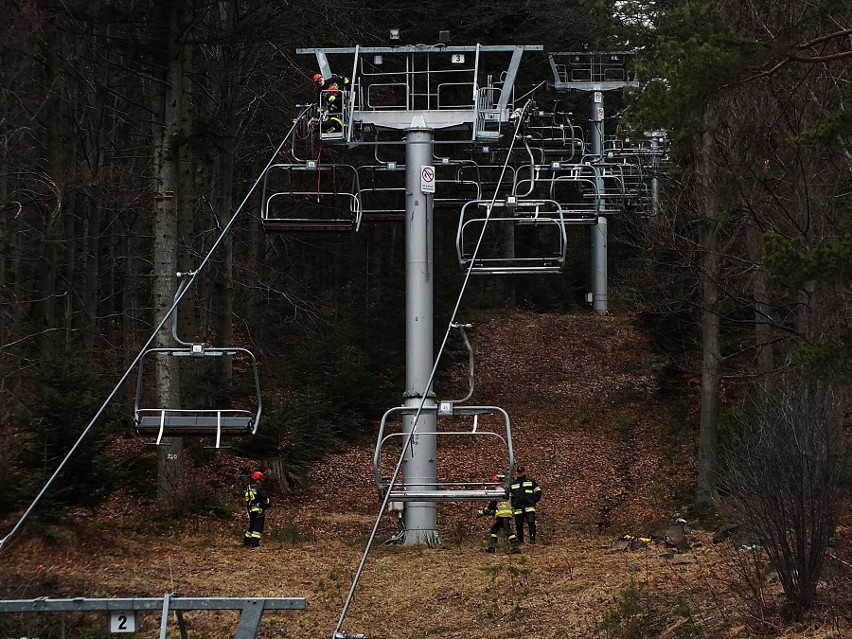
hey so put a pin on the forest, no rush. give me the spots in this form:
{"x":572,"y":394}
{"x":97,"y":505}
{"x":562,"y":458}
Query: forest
{"x":132,"y":132}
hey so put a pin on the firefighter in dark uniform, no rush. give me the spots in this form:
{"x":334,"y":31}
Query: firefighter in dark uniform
{"x":257,"y":503}
{"x":331,"y":101}
{"x":525,"y":495}
{"x":501,"y":510}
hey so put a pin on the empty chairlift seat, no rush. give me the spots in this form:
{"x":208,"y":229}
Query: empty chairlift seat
{"x":511,"y":237}
{"x":552,"y":137}
{"x":578,"y":187}
{"x":238,"y":415}
{"x":382,"y":192}
{"x":311,"y":197}
{"x":457,"y":182}
{"x":487,"y":444}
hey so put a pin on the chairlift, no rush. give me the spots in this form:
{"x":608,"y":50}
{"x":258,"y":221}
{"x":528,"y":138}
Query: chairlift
{"x":311,"y":197}
{"x":555,"y":138}
{"x":543,"y":217}
{"x":493,"y":441}
{"x":161,"y":421}
{"x":496,"y":180}
{"x":578,"y":187}
{"x":181,"y":421}
{"x":382,"y":192}
{"x":457,"y":181}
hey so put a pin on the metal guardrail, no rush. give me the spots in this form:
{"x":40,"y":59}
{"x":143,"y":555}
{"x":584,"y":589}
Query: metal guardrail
{"x":123,"y":610}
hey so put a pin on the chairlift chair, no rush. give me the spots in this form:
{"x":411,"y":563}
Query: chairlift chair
{"x":311,"y":197}
{"x":180,"y":421}
{"x":498,"y":441}
{"x":457,"y":182}
{"x":163,"y":421}
{"x":476,"y":220}
{"x":382,"y":192}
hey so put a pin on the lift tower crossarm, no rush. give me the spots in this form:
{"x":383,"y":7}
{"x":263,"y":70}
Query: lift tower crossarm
{"x":423,"y":48}
{"x":592,"y":70}
{"x":425,"y":82}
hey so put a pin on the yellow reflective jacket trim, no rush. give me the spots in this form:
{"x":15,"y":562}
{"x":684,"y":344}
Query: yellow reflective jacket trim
{"x":504,"y":509}
{"x":251,"y":500}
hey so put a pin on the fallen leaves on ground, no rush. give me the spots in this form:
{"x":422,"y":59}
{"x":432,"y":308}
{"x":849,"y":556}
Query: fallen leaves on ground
{"x":591,"y":427}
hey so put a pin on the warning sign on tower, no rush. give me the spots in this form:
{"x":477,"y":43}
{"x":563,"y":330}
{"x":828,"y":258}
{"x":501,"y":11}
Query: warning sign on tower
{"x":427,"y":178}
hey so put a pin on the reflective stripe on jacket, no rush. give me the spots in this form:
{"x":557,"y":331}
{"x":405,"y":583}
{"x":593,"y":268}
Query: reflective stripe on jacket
{"x":256,"y":498}
{"x":525,"y":495}
{"x":504,"y":509}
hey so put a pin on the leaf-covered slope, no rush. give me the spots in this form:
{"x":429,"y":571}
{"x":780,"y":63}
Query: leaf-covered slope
{"x":589,"y":425}
{"x":587,"y":422}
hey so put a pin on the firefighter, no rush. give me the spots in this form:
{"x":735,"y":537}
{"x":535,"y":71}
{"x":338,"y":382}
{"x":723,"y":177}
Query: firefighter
{"x":257,"y":503}
{"x":525,"y":495}
{"x":501,"y":510}
{"x":331,"y":99}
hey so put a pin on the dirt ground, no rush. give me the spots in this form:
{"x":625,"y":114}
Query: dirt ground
{"x":589,"y":423}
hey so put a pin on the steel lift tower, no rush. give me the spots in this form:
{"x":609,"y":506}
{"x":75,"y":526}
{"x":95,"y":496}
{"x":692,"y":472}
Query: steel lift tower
{"x":408,"y":93}
{"x":595,"y":72}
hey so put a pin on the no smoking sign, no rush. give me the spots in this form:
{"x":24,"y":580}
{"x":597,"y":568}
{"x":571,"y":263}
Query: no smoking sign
{"x":427,"y":178}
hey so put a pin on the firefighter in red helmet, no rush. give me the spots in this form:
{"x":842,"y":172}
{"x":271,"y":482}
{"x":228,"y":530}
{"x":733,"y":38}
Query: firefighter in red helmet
{"x":331,"y":104}
{"x":257,"y":503}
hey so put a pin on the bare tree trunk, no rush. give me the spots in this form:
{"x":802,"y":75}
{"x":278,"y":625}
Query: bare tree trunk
{"x":68,"y":265}
{"x":46,"y":318}
{"x":762,"y":327}
{"x":184,"y":204}
{"x":705,"y":485}
{"x":223,"y":319}
{"x":102,"y":158}
{"x":505,"y":291}
{"x":165,"y":128}
{"x":130,"y":300}
{"x":91,"y":235}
